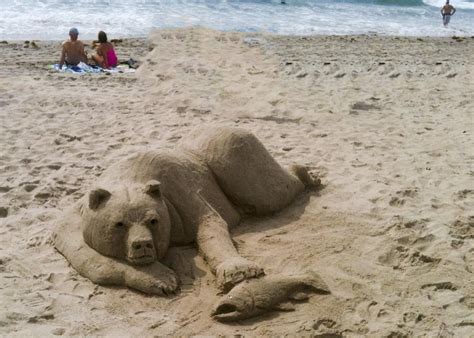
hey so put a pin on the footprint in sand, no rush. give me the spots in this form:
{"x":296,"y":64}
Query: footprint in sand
{"x":234,"y":38}
{"x":180,"y":36}
{"x":54,"y":166}
{"x":468,"y":301}
{"x":202,"y":71}
{"x":326,"y":327}
{"x":221,"y":38}
{"x":361,"y":105}
{"x":43,"y":195}
{"x":189,"y":70}
{"x":462,"y":228}
{"x":3,"y":212}
{"x":167,"y":36}
{"x":418,"y":224}
{"x":292,"y":69}
{"x":29,"y":187}
{"x":35,"y":183}
{"x":412,"y":317}
{"x":329,"y":68}
{"x":384,"y":69}
{"x":396,"y":201}
{"x":402,"y":258}
{"x":441,"y":68}
{"x":36,"y":241}
{"x":462,"y":194}
{"x":439,"y":286}
{"x":358,"y":107}
{"x":469,"y":260}
{"x":400,"y":196}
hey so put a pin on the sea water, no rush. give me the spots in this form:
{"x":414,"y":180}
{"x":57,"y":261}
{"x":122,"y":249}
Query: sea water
{"x":51,"y":19}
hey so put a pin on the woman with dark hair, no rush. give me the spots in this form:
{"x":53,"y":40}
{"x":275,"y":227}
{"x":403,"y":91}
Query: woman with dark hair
{"x":105,"y":54}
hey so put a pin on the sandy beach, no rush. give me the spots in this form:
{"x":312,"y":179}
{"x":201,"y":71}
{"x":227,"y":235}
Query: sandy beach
{"x":385,"y":122}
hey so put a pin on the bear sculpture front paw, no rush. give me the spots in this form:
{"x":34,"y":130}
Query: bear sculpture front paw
{"x":158,"y":280}
{"x":234,"y":270}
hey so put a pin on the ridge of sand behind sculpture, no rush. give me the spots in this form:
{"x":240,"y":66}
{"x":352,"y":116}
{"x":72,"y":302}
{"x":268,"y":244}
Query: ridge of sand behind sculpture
{"x":118,"y":233}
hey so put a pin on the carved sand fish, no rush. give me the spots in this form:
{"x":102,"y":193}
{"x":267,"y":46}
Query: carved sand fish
{"x":257,"y":296}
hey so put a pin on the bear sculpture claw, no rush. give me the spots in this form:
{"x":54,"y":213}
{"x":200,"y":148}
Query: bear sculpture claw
{"x":235,"y":270}
{"x":155,"y":279}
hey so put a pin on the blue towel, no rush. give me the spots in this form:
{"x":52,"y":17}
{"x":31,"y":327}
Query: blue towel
{"x":83,"y":68}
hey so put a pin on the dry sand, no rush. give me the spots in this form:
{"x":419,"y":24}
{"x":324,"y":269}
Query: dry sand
{"x":387,"y":122}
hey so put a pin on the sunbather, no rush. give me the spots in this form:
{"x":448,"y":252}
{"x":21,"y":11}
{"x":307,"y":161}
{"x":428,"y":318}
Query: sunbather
{"x":73,"y":50}
{"x":105,"y":56}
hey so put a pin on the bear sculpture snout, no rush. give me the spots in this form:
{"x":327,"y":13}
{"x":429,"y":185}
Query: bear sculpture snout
{"x":140,"y":245}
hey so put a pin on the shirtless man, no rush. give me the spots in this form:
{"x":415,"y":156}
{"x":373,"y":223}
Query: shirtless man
{"x":73,"y":50}
{"x":446,"y":12}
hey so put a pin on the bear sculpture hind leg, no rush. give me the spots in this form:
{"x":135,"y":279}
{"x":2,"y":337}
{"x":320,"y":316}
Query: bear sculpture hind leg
{"x":246,"y":172}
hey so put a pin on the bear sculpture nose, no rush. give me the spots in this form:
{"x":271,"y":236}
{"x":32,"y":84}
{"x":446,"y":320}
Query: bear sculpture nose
{"x":140,"y":245}
{"x":137,"y":245}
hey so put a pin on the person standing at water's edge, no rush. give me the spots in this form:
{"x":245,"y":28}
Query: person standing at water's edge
{"x":446,"y":12}
{"x":73,"y":50}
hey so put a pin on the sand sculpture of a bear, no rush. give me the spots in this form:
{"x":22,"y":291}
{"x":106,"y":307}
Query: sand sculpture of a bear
{"x":118,"y":233}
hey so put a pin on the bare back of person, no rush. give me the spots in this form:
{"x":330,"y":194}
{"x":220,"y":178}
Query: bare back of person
{"x":74,"y":52}
{"x":104,"y":48}
{"x":105,"y":56}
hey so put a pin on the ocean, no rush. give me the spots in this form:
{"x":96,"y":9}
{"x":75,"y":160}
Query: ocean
{"x":51,"y":19}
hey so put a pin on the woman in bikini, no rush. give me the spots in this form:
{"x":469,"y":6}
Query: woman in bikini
{"x":105,"y":56}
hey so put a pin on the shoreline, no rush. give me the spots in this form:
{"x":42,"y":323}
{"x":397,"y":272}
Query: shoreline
{"x":263,"y":33}
{"x":385,"y":122}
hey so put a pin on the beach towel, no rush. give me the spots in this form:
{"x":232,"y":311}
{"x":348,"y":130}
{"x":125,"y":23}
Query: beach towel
{"x":83,"y":68}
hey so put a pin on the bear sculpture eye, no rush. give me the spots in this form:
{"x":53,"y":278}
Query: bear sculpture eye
{"x":153,"y":221}
{"x":119,"y":224}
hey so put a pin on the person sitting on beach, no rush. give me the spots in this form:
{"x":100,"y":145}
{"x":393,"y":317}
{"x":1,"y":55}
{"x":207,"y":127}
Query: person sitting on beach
{"x":447,"y":11}
{"x":105,"y":56}
{"x":73,"y":50}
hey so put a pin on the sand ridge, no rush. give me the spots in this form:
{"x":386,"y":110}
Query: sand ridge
{"x":386,"y":122}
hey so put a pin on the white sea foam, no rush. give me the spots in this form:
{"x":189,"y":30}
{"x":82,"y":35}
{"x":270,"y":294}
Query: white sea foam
{"x":51,"y":19}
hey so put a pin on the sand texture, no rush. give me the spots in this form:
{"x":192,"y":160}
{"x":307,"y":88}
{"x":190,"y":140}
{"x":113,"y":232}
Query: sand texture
{"x":386,"y":123}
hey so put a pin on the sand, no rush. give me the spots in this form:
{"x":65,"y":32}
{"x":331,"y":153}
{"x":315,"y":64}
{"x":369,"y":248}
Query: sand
{"x":386,"y":122}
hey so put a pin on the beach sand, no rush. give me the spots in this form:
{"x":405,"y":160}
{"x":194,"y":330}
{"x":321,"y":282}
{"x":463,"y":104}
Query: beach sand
{"x":386,"y":122}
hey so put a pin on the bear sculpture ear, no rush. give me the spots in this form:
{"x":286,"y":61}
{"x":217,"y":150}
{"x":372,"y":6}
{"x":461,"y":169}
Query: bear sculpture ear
{"x":152,"y":188}
{"x":97,"y":198}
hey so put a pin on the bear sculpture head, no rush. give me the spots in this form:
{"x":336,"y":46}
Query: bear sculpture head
{"x":129,"y":222}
